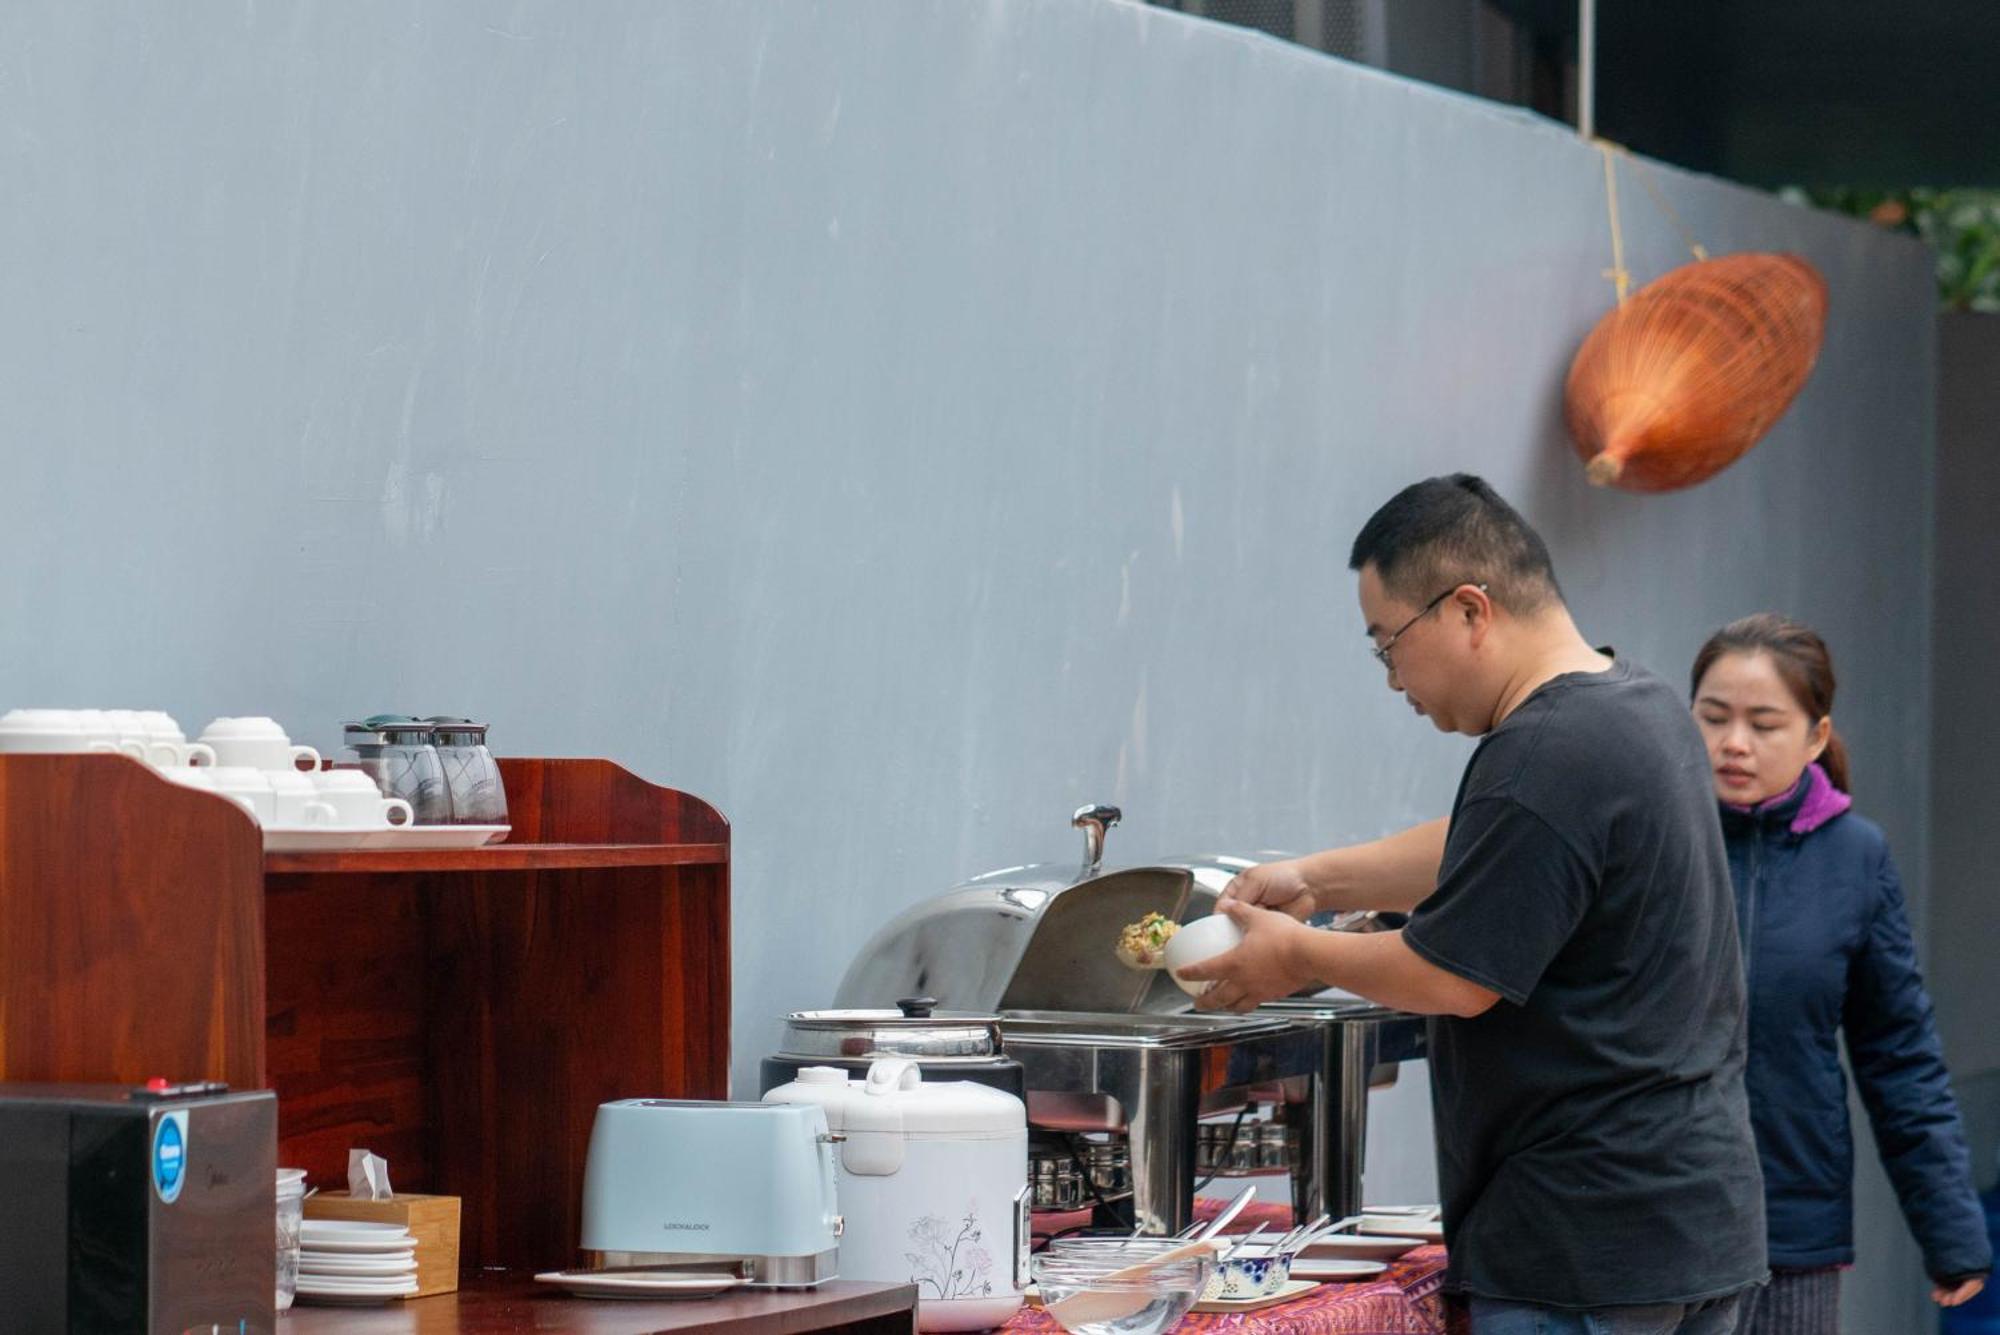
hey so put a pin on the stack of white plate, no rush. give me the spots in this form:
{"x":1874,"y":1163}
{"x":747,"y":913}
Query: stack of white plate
{"x":348,"y":1261}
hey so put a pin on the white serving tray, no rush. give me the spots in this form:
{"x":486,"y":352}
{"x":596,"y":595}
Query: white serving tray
{"x":415,"y":837}
{"x":331,"y":839}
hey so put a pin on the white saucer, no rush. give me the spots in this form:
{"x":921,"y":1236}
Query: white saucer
{"x":1321,"y":1269}
{"x":318,"y":1289}
{"x":417,"y":837}
{"x":1292,"y":1288}
{"x":1347,"y":1247}
{"x":355,"y":1235}
{"x":367,"y":1265}
{"x":351,"y":1228}
{"x":346,"y":1284}
{"x":639,"y":1283}
{"x":374,"y":1253}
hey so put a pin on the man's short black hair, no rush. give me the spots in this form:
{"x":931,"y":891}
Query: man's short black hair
{"x":1445,"y":531}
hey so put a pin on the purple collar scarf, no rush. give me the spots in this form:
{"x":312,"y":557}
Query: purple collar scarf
{"x":1818,"y":801}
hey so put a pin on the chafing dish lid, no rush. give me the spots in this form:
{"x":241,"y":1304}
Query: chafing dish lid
{"x":912,"y":1030}
{"x":1117,"y":1030}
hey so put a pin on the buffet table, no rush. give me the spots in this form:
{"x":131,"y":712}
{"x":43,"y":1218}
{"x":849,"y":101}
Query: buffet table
{"x":1406,"y":1300}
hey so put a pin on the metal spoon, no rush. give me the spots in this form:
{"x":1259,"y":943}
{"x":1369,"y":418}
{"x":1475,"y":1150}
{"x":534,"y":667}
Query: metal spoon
{"x":1320,"y":1228}
{"x":1229,"y":1212}
{"x":1295,"y":1233}
{"x":1238,"y":1245}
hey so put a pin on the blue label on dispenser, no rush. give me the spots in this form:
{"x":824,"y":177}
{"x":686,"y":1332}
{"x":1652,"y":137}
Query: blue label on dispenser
{"x":170,"y":1155}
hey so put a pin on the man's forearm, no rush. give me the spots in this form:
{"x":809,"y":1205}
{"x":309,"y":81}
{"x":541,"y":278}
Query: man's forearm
{"x":1391,"y":874}
{"x":1381,"y":967}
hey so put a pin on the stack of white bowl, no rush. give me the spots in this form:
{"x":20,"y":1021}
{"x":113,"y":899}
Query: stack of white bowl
{"x":351,"y":1261}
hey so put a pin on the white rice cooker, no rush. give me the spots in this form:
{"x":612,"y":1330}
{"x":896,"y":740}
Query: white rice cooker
{"x":933,"y":1186}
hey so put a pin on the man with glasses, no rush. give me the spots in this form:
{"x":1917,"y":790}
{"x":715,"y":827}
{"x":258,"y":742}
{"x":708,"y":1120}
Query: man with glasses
{"x":1572,"y":930}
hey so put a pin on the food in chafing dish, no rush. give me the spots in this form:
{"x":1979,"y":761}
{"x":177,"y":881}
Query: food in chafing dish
{"x":1143,"y":944}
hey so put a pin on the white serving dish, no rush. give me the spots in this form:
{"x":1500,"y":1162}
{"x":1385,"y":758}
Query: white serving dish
{"x":413,"y":838}
{"x":1369,"y":1247}
{"x":1401,"y":1226}
{"x":1333,"y":1270}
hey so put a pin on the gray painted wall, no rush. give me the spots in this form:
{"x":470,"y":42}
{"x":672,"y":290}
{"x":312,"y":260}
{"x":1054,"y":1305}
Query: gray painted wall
{"x":1964,"y":919}
{"x":896,"y":423}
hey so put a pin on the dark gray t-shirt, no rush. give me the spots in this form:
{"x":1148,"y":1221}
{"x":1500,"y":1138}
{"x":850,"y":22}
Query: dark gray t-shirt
{"x":1594,"y":1144}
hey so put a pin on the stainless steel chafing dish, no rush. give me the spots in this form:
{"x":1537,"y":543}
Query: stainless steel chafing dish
{"x":1118,"y":1073}
{"x":1149,"y":1078}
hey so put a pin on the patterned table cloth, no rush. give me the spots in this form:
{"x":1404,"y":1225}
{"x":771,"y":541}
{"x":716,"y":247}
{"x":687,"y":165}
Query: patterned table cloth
{"x":1406,"y":1300}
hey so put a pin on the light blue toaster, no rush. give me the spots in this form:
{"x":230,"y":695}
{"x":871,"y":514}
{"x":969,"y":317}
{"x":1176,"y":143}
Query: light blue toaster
{"x":742,"y":1187}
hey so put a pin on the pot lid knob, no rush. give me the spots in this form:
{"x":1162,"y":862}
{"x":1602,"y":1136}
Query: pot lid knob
{"x":917,"y":1008}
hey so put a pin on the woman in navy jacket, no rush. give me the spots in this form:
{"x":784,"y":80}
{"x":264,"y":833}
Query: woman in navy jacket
{"x":1827,"y":949}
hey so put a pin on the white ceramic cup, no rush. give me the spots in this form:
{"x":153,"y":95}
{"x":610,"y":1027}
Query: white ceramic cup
{"x":203,"y":781}
{"x":167,"y":747}
{"x":358,"y":803}
{"x":249,"y":786}
{"x":106,"y":730}
{"x":296,"y":803}
{"x":258,"y":743}
{"x":1204,"y":938}
{"x":55,"y":731}
{"x":41,"y":731}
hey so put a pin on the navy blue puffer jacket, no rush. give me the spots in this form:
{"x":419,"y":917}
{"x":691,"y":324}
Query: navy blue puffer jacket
{"x":1827,"y":948}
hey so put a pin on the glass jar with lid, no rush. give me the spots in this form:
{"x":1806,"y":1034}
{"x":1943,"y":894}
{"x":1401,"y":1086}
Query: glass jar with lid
{"x":398,"y":752}
{"x":478,"y":797}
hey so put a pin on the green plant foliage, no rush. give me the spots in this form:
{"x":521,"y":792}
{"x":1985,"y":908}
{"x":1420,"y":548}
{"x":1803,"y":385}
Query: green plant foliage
{"x":1962,"y":228}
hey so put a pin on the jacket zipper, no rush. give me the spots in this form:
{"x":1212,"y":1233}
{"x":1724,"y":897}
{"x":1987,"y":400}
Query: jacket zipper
{"x":1751,"y":883}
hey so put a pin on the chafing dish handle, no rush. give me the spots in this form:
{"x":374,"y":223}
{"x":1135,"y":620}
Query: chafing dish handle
{"x":1094,"y":821}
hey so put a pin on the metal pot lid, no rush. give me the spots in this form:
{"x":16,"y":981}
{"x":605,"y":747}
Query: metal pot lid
{"x":914,"y":1029}
{"x":448,"y":725}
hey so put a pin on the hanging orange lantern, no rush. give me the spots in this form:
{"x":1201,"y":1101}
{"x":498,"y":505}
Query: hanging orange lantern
{"x":1675,"y":384}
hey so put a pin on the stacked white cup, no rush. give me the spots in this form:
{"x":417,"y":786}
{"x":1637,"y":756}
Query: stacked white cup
{"x":283,"y":785}
{"x":144,"y":735}
{"x":257,"y":765}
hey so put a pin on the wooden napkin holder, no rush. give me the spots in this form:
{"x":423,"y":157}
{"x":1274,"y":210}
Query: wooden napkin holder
{"x":433,"y":1220}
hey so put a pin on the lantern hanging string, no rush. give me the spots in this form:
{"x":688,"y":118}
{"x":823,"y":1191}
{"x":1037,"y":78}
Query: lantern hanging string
{"x":1620,"y":276}
{"x":1695,"y":248}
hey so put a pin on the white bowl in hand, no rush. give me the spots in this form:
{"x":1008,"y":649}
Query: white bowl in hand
{"x":1204,"y":938}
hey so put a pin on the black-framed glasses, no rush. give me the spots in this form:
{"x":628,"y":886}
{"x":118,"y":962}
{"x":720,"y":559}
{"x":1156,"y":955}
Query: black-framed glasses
{"x":1381,"y":651}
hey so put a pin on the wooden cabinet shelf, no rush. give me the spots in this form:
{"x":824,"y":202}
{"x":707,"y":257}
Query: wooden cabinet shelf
{"x":462,"y":1013}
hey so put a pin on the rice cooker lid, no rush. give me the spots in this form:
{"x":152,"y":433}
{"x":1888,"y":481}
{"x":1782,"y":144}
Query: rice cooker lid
{"x":894,"y":1097}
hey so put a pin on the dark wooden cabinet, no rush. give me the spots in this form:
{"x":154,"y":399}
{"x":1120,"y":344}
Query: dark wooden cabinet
{"x":460,"y":1013}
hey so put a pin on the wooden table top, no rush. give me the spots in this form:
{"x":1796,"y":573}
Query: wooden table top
{"x":513,"y":1304}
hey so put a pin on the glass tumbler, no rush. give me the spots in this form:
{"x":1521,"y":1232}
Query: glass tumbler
{"x":291,"y":1215}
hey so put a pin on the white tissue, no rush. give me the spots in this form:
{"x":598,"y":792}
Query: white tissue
{"x":367,"y":1176}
